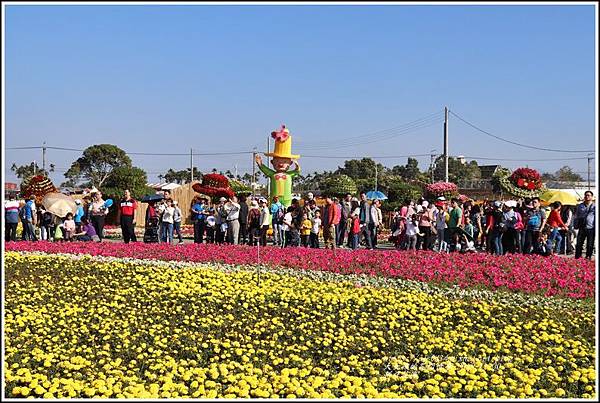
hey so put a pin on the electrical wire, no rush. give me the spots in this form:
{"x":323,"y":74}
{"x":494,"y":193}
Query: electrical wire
{"x":514,"y":142}
{"x":376,"y":133}
{"x":351,"y":143}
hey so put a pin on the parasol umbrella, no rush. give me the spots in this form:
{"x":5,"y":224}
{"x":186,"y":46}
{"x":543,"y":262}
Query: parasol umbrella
{"x":565,"y":198}
{"x":59,"y":204}
{"x":376,"y":195}
{"x":152,"y":198}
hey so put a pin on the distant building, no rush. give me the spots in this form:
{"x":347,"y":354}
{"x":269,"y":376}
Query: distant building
{"x":487,"y":171}
{"x":11,"y":189}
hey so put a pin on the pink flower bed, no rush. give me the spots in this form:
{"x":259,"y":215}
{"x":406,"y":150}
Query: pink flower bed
{"x":530,"y":273}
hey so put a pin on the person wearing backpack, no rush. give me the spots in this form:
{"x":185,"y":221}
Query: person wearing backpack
{"x":497,"y":227}
{"x":253,"y":223}
{"x":536,"y":220}
{"x":585,"y":223}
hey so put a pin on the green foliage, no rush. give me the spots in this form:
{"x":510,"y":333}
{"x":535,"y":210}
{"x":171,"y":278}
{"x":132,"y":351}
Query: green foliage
{"x":339,"y":185}
{"x":361,"y":169}
{"x":97,"y":163}
{"x":25,"y":172}
{"x":397,"y":189}
{"x":132,"y":178}
{"x":410,"y":171}
{"x":181,"y":176}
{"x":457,"y":171}
{"x":566,"y":174}
{"x":240,"y":188}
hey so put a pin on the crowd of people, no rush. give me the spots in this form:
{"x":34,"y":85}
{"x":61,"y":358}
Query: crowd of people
{"x":497,"y":227}
{"x":441,"y":225}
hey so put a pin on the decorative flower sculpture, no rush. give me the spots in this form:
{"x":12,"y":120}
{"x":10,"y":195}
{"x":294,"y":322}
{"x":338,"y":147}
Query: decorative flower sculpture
{"x":523,"y":182}
{"x":38,"y":186}
{"x":214,"y":185}
{"x":446,"y":189}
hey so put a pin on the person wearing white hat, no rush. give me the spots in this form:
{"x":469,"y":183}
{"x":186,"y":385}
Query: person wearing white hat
{"x":265,"y":220}
{"x":78,"y":214}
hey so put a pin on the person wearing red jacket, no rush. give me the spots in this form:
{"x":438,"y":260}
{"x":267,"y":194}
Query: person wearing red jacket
{"x":556,"y":223}
{"x":331,"y":219}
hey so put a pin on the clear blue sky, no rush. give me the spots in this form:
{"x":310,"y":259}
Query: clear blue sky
{"x":221,"y":78}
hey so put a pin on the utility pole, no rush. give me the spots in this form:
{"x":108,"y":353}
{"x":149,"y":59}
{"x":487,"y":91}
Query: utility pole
{"x":235,"y":175}
{"x":191,"y":166}
{"x":268,"y":181}
{"x":589,"y":158}
{"x":34,"y":168}
{"x":44,"y":156}
{"x":254,"y":172}
{"x":446,"y":144}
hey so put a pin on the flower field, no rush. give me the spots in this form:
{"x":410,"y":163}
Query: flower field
{"x":527,"y":273}
{"x":83,"y":326}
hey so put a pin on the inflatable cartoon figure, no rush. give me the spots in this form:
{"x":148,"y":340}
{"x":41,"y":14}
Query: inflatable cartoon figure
{"x":281,"y":177}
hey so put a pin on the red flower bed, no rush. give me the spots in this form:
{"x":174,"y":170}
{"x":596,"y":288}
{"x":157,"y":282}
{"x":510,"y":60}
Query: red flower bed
{"x":527,"y":273}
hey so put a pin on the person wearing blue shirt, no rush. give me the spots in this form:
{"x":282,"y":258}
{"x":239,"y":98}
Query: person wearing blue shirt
{"x":30,"y":219}
{"x":277,"y":217}
{"x":78,"y":215}
{"x":198,"y":215}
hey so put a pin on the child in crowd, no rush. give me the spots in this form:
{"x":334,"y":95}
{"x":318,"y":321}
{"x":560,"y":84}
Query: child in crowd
{"x":69,"y":227}
{"x":306,"y":227}
{"x":412,"y":230}
{"x":314,"y":231}
{"x":211,"y":224}
{"x":544,"y":246}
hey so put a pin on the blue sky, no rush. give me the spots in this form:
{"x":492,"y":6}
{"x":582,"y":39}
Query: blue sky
{"x":221,"y":78}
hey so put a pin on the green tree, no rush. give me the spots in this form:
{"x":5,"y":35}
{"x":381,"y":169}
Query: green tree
{"x":132,"y":178}
{"x":547,"y":176}
{"x":457,"y":171}
{"x":361,"y":169}
{"x":566,"y":174}
{"x":97,"y":163}
{"x":410,"y":171}
{"x":397,"y":189}
{"x":181,"y":176}
{"x":27,"y":171}
{"x":338,"y":185}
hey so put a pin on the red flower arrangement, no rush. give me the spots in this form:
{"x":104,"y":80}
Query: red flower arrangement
{"x":526,"y":178}
{"x":214,"y":185}
{"x":446,"y":189}
{"x":37,"y":186}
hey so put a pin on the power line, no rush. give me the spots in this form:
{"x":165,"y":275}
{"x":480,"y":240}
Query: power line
{"x":376,"y":133}
{"x":134,"y":153}
{"x":519,"y":144}
{"x":365,"y":156}
{"x":523,"y":159}
{"x":397,"y":133}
